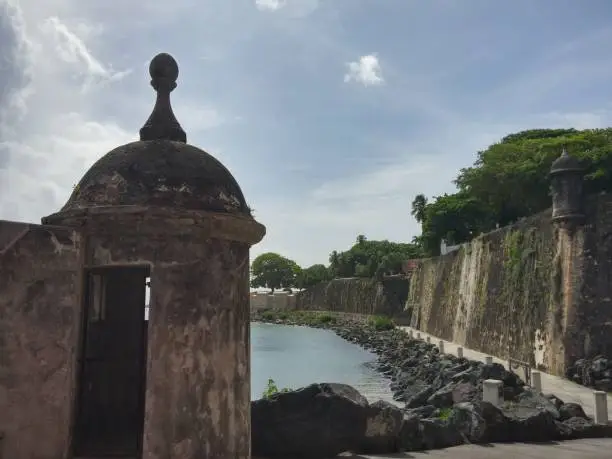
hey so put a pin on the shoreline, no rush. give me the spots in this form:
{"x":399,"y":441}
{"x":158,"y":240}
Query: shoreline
{"x":442,"y":394}
{"x":368,"y":380}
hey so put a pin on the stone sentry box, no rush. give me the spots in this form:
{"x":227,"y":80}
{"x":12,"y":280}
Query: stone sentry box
{"x":177,"y":387}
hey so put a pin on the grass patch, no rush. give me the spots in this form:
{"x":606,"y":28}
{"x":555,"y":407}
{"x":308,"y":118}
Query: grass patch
{"x":444,"y":413}
{"x":308,"y":318}
{"x":272,"y":389}
{"x":381,"y":323}
{"x":325,"y":318}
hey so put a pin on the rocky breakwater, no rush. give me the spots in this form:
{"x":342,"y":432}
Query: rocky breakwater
{"x":595,"y":373}
{"x":443,"y":406}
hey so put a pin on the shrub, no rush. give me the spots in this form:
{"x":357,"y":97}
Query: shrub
{"x":268,"y":315}
{"x":381,"y":323}
{"x":326,"y":318}
{"x":272,"y":389}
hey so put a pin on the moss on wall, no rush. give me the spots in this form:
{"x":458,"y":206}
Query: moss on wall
{"x":357,"y":296}
{"x":492,"y":294}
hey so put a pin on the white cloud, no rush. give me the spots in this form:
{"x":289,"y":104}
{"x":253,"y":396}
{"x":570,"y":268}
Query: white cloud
{"x":366,"y":71}
{"x":270,"y":5}
{"x":289,"y":8}
{"x":73,"y":51}
{"x":57,"y":135}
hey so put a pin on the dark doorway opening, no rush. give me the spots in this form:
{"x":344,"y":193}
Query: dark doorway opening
{"x":110,"y":401}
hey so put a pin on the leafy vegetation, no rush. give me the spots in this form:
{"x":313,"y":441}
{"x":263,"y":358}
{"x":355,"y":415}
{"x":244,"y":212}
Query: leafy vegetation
{"x":508,"y":181}
{"x":313,"y":275}
{"x":372,"y":258}
{"x":272,"y":388}
{"x":364,"y":259}
{"x":444,"y":413}
{"x":273,"y":271}
{"x":381,"y":323}
{"x":319,"y":318}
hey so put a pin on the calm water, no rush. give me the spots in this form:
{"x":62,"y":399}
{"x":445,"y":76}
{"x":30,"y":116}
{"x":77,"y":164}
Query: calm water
{"x":297,"y":356}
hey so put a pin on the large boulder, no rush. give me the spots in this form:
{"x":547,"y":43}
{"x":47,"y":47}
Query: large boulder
{"x":479,"y":422}
{"x":579,"y":427}
{"x":318,"y":421}
{"x":383,"y":425}
{"x":533,"y":417}
{"x":437,"y":434}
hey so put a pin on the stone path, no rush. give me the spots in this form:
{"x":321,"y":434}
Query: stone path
{"x":597,"y":448}
{"x":562,"y":388}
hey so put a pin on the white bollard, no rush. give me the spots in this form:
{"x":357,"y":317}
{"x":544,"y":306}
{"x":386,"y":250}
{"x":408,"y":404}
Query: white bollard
{"x":460,"y":352}
{"x":488,"y":360}
{"x":536,"y":380}
{"x":601,"y":406}
{"x":429,"y":339}
{"x":492,"y":391}
{"x":441,"y":346}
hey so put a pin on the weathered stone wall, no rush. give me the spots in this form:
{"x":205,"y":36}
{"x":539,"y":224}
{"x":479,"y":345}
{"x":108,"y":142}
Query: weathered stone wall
{"x":530,"y":291}
{"x":279,"y":300}
{"x":489,"y":295}
{"x":357,"y":296}
{"x":595,"y":307}
{"x":39,"y":322}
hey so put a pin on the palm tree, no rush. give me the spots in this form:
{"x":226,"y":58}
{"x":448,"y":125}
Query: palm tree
{"x":418,"y":207}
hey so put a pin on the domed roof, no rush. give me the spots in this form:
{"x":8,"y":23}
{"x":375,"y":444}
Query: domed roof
{"x":161,"y":169}
{"x":565,"y":163}
{"x":162,"y":173}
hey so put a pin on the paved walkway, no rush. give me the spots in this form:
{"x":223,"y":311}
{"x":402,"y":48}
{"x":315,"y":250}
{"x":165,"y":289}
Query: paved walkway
{"x":597,"y":448}
{"x":566,"y":390}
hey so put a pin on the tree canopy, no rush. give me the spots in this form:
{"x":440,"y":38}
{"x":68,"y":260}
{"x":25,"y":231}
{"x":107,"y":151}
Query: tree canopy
{"x":364,"y":259}
{"x":372,"y":258}
{"x":509,"y":180}
{"x":313,"y":275}
{"x":273,"y":271}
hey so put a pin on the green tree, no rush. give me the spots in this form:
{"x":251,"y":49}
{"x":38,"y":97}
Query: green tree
{"x":419,"y":204}
{"x":313,"y":275}
{"x":368,"y":258}
{"x":273,"y":271}
{"x":510,"y":180}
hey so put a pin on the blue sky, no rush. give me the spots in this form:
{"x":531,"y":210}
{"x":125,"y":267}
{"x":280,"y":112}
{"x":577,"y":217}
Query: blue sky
{"x":331,"y":114}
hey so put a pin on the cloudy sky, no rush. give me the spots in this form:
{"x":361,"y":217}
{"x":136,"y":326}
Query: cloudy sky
{"x":331,"y":114}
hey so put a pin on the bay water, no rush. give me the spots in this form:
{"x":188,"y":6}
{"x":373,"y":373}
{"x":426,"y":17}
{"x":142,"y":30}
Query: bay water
{"x":295,"y":356}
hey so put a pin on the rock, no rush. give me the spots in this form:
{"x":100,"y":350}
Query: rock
{"x":579,"y":427}
{"x":556,"y":401}
{"x":529,"y":421}
{"x":420,"y":398}
{"x":598,"y":366}
{"x":531,"y":400}
{"x":442,"y":398}
{"x":452,"y":394}
{"x":466,"y":419}
{"x":318,"y":421}
{"x":422,"y":411}
{"x":409,"y":438}
{"x":479,"y":422}
{"x":436,"y":434}
{"x":383,"y":425}
{"x":571,"y":410}
{"x":604,"y":384}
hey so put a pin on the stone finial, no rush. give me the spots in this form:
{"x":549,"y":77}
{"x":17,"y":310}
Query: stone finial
{"x":162,"y":124}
